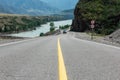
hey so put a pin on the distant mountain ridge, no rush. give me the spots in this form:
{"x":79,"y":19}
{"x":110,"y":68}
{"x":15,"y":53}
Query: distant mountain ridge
{"x":62,"y":4}
{"x":30,"y":7}
{"x":67,"y":14}
{"x":68,"y":11}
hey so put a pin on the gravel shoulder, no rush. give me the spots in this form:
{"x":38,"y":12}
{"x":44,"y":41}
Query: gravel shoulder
{"x":84,"y":36}
{"x":8,"y":39}
{"x":98,"y":39}
{"x":3,"y":41}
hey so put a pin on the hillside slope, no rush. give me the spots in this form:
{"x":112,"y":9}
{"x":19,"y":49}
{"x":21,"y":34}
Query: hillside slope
{"x":106,"y":13}
{"x":114,"y":37}
{"x":31,"y":7}
{"x":68,"y":14}
{"x":17,"y":23}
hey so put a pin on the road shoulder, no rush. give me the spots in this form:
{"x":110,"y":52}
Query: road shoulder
{"x":85,"y":36}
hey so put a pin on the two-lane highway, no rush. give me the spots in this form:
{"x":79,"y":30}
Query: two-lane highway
{"x":86,"y":60}
{"x":41,"y":58}
{"x":34,"y":59}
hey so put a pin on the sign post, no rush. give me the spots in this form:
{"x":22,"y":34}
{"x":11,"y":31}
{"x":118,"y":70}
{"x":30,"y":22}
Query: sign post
{"x":92,"y":28}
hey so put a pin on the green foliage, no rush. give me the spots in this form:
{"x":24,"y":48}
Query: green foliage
{"x":14,"y":24}
{"x":103,"y":11}
{"x":52,"y":28}
{"x":41,"y":34}
{"x":64,"y":27}
{"x":51,"y":24}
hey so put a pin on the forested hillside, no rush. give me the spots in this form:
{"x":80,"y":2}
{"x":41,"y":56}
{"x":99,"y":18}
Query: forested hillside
{"x":17,"y":23}
{"x":106,"y":13}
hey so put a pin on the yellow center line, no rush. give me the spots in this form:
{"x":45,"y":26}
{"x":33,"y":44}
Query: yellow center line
{"x":61,"y":65}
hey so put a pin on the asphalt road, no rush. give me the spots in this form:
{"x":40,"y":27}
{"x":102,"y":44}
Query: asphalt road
{"x":37,"y":59}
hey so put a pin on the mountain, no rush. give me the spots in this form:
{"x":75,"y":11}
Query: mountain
{"x":2,"y":10}
{"x":31,"y":7}
{"x":62,"y":4}
{"x":68,"y":14}
{"x":69,"y":11}
{"x":6,"y":9}
{"x":65,"y":14}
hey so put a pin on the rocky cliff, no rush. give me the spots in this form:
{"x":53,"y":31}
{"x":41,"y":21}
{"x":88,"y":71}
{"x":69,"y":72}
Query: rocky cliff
{"x":78,"y":22}
{"x":106,"y":13}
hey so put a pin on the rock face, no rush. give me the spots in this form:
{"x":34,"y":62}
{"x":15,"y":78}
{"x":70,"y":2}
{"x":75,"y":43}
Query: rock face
{"x":78,"y":22}
{"x":114,"y":37}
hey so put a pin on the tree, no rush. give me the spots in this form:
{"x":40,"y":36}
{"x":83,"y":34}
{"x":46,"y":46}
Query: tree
{"x":52,"y":24}
{"x":52,"y":28}
{"x":41,"y":34}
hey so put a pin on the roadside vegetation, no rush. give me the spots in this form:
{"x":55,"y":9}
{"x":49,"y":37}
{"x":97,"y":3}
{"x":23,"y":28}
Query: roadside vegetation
{"x":52,"y":27}
{"x":54,"y":31}
{"x":42,"y":34}
{"x":64,"y":27}
{"x":106,"y":14}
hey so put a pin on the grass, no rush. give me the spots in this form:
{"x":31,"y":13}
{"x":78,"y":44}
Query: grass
{"x":95,"y":34}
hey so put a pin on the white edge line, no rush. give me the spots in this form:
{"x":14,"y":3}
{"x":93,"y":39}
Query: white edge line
{"x":15,"y":42}
{"x":98,"y":43}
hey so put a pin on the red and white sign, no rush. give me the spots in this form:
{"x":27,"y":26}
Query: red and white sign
{"x":92,"y":26}
{"x":92,"y":22}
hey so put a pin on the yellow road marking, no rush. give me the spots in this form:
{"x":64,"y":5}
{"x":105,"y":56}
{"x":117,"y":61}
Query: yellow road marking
{"x":61,"y":65}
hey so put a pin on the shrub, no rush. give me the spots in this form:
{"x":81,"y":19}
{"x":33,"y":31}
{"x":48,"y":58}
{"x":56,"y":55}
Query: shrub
{"x":52,"y":29}
{"x":41,"y":34}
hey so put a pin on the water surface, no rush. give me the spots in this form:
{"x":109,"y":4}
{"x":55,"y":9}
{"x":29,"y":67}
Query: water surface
{"x":43,"y":29}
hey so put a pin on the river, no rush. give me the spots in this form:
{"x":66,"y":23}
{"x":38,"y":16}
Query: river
{"x":43,"y":29}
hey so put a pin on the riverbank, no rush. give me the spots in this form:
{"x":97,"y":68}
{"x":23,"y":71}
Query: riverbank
{"x":45,"y":28}
{"x":16,"y":24}
{"x":6,"y":38}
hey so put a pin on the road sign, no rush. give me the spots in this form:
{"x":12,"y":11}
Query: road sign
{"x":92,"y":22}
{"x":92,"y":26}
